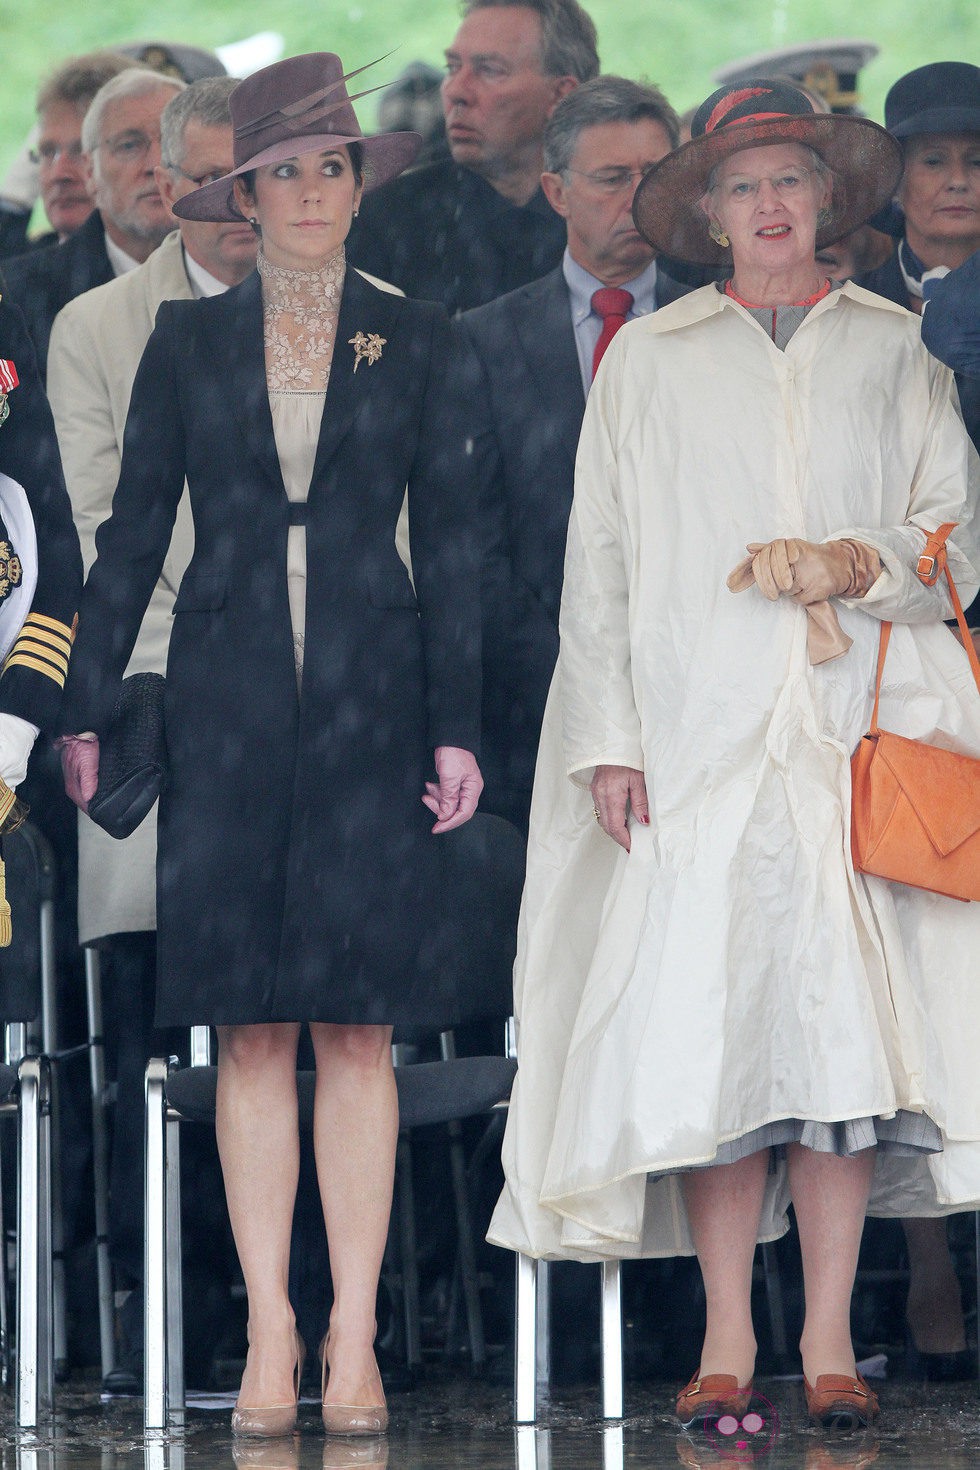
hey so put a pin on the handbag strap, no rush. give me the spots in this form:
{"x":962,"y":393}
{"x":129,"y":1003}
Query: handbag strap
{"x":931,"y":565}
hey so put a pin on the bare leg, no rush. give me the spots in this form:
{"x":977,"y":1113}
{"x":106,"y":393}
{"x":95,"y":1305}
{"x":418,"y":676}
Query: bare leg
{"x":830,"y":1197}
{"x":258,"y":1143}
{"x":934,"y":1307}
{"x":355,"y":1133}
{"x":724,"y":1204}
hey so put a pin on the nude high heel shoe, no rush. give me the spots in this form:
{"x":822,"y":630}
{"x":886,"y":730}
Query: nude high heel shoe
{"x":271,"y":1421}
{"x":349,"y":1419}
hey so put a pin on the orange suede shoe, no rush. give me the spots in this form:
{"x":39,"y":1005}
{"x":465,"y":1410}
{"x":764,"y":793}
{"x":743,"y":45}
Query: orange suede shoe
{"x":838,"y":1402}
{"x":712,"y":1396}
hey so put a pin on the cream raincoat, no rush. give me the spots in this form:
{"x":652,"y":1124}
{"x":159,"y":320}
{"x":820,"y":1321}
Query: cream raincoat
{"x":732,"y":970}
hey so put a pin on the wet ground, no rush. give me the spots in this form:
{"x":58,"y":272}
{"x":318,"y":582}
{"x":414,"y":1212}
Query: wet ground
{"x":453,"y":1420}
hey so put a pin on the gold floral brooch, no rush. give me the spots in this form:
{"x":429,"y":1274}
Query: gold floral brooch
{"x":367,"y":348}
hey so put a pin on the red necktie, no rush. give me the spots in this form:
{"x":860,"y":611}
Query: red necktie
{"x":613,"y":305}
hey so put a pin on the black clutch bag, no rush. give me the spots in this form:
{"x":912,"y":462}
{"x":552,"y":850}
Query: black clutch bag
{"x":132,"y":757}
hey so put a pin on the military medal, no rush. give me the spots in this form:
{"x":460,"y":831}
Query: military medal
{"x":367,"y":348}
{"x":8,"y":381}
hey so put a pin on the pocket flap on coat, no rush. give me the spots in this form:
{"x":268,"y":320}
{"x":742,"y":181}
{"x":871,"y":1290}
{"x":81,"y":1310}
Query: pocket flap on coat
{"x":201,"y":593}
{"x":940,"y":785}
{"x":390,"y":588}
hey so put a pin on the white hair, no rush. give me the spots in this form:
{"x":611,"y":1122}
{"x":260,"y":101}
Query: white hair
{"x":135,"y":81}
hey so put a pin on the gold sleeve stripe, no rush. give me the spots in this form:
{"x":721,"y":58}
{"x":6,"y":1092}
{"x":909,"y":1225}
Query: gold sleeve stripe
{"x":27,"y":662}
{"x":56,"y":635}
{"x":41,"y":650}
{"x":40,"y":620}
{"x":44,"y":639}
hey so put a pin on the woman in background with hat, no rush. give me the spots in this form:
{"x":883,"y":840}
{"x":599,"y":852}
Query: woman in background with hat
{"x":934,"y":112}
{"x":310,"y":689}
{"x":716,"y":1013}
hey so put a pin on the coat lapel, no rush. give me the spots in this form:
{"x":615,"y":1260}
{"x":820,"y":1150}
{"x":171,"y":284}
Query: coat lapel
{"x":235,"y":328}
{"x":364,"y":309}
{"x":542,"y":321}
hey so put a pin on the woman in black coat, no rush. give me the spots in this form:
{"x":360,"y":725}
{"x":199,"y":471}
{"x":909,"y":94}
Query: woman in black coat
{"x":308,"y":686}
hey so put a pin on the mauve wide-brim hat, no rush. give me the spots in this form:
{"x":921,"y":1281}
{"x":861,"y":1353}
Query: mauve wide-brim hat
{"x":943,"y":97}
{"x":865,"y":160}
{"x":300,"y":105}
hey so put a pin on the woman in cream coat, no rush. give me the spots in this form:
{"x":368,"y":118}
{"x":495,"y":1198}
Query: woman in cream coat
{"x":717,"y":978}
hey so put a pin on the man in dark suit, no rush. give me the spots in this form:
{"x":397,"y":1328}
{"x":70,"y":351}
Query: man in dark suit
{"x":534,"y":351}
{"x":465,"y":230}
{"x":121,"y":146}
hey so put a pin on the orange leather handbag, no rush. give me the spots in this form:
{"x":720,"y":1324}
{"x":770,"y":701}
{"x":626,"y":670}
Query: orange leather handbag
{"x":915,"y":808}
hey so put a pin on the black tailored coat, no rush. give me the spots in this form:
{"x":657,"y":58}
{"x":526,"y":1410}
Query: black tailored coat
{"x":297,"y":875}
{"x":43,"y":281}
{"x":33,"y":673}
{"x":444,"y":234}
{"x":529,"y":389}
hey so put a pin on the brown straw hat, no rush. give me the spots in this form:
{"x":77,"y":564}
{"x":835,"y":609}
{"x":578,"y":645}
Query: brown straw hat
{"x":865,"y":161}
{"x":296,"y":106}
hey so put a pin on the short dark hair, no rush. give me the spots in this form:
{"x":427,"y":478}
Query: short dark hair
{"x":569,"y":44}
{"x":606,"y":99}
{"x":77,"y":80}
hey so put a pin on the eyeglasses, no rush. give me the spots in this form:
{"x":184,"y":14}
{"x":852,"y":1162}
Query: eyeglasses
{"x":49,"y":153}
{"x":611,"y":180}
{"x":129,"y":147}
{"x":739,"y":188}
{"x":198,"y":180}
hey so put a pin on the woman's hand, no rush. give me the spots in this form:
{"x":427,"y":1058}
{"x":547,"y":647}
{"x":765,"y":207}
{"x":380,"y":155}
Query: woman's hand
{"x":453,"y":797}
{"x":807,"y":571}
{"x":80,"y":766}
{"x":616,"y":791}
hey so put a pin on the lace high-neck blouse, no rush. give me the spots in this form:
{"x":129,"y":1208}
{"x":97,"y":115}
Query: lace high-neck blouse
{"x":300,"y":311}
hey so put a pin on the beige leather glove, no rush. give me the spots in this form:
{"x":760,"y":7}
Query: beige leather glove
{"x":810,"y":572}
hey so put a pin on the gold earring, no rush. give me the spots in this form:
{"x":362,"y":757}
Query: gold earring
{"x":718,"y":234}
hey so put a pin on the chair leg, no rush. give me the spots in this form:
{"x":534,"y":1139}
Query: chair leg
{"x":175,"y":1284}
{"x":532,"y":1447}
{"x":34,"y":1356}
{"x":613,"y":1449}
{"x":155,"y":1247}
{"x":526,"y":1341}
{"x":100,"y":1158}
{"x":466,"y":1247}
{"x":774,"y":1301}
{"x":409,"y":1253}
{"x":49,"y":1014}
{"x":5,"y":1344}
{"x":612,"y":1339}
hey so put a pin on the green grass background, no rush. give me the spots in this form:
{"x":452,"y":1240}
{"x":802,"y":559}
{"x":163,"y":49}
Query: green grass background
{"x":676,"y":43}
